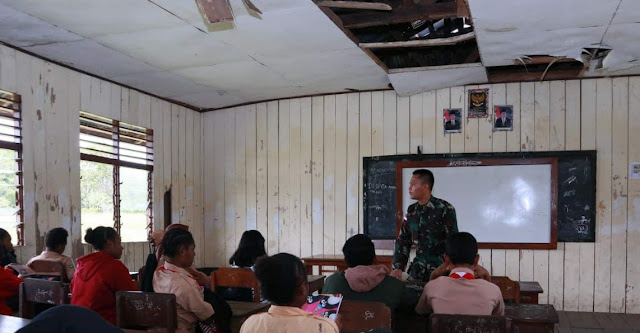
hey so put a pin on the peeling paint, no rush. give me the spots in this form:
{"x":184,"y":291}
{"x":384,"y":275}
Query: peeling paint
{"x":39,"y":113}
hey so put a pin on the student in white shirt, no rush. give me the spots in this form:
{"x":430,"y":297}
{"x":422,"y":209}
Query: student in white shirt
{"x":173,"y":278}
{"x":56,"y":242}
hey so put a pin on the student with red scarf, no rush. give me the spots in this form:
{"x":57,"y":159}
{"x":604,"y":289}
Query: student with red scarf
{"x":100,"y":275}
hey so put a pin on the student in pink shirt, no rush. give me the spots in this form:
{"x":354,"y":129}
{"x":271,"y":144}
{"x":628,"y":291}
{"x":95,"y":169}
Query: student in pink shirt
{"x":454,"y":288}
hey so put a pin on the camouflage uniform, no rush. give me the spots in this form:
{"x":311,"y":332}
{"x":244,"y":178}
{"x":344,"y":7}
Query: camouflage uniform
{"x":429,"y":226}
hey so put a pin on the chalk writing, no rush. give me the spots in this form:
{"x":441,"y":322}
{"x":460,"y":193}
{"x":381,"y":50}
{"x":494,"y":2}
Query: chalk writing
{"x":368,"y":315}
{"x":569,"y":193}
{"x":464,"y":163}
{"x":570,"y":180}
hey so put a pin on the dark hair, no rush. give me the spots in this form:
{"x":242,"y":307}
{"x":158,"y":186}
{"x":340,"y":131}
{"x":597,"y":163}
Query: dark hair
{"x":280,"y":275}
{"x":175,"y":239}
{"x":55,"y":237}
{"x":3,"y":234}
{"x":99,"y":236}
{"x":425,"y":176}
{"x":359,"y":250}
{"x":251,"y":247}
{"x":462,"y":248}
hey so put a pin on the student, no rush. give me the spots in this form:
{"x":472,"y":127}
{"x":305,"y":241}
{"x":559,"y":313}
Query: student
{"x":68,"y":318}
{"x":173,"y":278}
{"x":7,"y":253}
{"x":283,"y":281}
{"x":100,"y":275}
{"x":9,"y":287}
{"x":56,"y":242}
{"x":364,"y":281}
{"x":453,"y":288}
{"x":251,"y":248}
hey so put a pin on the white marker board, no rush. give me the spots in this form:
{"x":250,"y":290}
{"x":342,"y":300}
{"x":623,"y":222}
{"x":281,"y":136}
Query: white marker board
{"x":498,"y":204}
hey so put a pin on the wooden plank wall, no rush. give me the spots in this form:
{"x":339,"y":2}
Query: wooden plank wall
{"x":305,"y":185}
{"x":52,"y":96}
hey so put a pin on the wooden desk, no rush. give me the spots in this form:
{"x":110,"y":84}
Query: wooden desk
{"x":316,"y":282}
{"x":12,"y":324}
{"x":243,"y":310}
{"x":529,"y":291}
{"x":337,"y":260}
{"x":532,"y":318}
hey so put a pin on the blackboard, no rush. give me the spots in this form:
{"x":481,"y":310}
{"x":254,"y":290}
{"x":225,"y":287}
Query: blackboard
{"x":576,"y":191}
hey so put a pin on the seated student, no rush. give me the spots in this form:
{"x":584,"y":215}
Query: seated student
{"x":453,"y":288}
{"x":173,"y":278}
{"x":100,"y":275}
{"x":251,"y":248}
{"x":283,"y":281}
{"x":55,"y":242}
{"x":7,"y":253}
{"x":364,"y":281}
{"x":68,"y":318}
{"x":9,"y":287}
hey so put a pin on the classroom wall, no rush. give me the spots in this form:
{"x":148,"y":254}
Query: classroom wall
{"x":291,"y":169}
{"x":51,"y":98}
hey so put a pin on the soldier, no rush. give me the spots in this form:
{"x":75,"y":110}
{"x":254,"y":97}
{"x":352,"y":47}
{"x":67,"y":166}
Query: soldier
{"x":429,"y":221}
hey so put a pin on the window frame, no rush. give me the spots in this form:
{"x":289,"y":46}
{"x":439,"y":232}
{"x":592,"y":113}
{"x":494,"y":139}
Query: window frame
{"x":116,"y":161}
{"x":12,"y":102}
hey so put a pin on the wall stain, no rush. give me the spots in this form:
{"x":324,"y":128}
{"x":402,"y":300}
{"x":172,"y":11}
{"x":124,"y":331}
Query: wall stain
{"x":39,"y":113}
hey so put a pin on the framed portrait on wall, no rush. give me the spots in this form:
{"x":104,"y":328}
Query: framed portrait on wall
{"x":452,"y":119}
{"x":503,"y":118}
{"x":478,"y":103}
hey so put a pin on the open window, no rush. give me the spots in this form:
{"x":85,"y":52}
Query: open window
{"x":116,"y":170}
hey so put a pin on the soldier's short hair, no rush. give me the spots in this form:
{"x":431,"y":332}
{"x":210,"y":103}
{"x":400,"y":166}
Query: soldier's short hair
{"x":425,"y":176}
{"x":359,"y":250}
{"x":462,"y":248}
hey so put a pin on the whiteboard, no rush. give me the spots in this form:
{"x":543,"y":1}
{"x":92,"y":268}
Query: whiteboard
{"x":496,"y":203}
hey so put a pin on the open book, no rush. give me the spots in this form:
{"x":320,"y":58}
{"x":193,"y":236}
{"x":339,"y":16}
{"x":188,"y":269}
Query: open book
{"x":323,"y":305}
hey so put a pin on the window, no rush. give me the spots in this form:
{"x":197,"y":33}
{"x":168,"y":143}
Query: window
{"x":116,"y":176}
{"x":11,"y":204}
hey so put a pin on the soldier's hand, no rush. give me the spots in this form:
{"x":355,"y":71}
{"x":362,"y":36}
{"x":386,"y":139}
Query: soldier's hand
{"x":396,"y":273}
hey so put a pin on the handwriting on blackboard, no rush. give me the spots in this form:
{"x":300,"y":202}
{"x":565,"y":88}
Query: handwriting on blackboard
{"x":582,"y":225}
{"x":464,"y":163}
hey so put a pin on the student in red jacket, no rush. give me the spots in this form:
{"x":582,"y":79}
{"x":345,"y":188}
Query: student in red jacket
{"x":99,"y":275}
{"x":9,"y":284}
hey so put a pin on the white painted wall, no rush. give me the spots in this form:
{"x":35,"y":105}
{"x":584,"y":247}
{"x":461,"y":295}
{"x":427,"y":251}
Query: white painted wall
{"x":291,"y":169}
{"x":51,"y":98}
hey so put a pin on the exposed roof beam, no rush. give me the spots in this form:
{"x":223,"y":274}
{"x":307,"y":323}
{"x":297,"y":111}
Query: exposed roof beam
{"x":215,"y":10}
{"x":431,"y":11}
{"x":421,"y":43}
{"x":496,"y":76}
{"x":355,"y":5}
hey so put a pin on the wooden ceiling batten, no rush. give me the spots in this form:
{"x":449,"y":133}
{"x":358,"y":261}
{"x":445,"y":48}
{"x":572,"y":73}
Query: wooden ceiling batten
{"x":355,"y":5}
{"x":430,"y":11}
{"x":421,"y":42}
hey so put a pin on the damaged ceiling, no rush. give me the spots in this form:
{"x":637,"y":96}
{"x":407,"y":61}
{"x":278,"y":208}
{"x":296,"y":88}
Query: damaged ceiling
{"x":302,"y":47}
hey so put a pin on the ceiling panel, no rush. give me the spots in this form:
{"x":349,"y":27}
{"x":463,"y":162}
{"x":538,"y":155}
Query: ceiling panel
{"x":96,"y":18}
{"x":92,"y":57}
{"x":19,"y":29}
{"x":162,"y":84}
{"x":174,"y":48}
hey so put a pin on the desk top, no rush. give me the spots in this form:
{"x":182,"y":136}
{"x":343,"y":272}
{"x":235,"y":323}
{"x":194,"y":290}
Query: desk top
{"x":12,"y":324}
{"x":534,"y":313}
{"x":314,"y":278}
{"x":240,"y":309}
{"x":530,"y":286}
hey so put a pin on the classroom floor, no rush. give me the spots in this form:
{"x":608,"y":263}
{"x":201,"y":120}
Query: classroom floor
{"x":595,"y":322}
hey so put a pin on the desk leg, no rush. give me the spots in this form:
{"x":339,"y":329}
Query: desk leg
{"x":309,"y":269}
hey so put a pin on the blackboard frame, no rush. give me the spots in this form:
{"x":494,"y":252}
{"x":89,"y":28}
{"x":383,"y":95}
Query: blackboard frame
{"x":464,"y":162}
{"x":385,"y":240}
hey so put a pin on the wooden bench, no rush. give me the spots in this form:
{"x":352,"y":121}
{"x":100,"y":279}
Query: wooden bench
{"x":236,"y":278}
{"x":532,"y":318}
{"x":444,"y":323}
{"x":336,"y":260}
{"x":362,"y":316}
{"x":139,"y":310}
{"x":510,"y":289}
{"x":37,"y":295}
